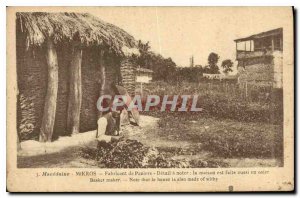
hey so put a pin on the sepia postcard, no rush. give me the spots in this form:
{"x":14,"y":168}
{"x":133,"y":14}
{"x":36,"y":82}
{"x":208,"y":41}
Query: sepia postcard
{"x":150,"y":99}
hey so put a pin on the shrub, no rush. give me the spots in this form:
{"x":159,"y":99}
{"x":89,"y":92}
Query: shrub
{"x":126,"y":153}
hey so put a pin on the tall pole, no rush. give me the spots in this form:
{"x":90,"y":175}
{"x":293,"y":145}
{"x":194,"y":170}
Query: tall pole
{"x":75,"y":91}
{"x":51,"y":96}
{"x":102,"y":76}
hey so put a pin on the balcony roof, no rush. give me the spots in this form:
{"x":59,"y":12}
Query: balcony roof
{"x":274,"y":32}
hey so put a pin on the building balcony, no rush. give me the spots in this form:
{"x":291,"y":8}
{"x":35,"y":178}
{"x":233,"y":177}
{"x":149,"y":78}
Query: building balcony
{"x":257,"y":53}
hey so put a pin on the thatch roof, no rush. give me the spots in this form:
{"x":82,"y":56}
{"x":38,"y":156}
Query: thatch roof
{"x":88,"y":29}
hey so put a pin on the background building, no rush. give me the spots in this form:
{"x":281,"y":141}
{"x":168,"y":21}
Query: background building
{"x":259,"y":58}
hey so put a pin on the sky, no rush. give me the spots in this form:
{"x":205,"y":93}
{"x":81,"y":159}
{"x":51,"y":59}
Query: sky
{"x":182,"y":32}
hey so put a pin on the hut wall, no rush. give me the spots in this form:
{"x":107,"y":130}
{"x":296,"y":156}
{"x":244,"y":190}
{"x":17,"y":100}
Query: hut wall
{"x":128,"y":75}
{"x":32,"y":84}
{"x":113,"y":70}
{"x":32,"y":80}
{"x":32,"y":72}
{"x":90,"y":90}
{"x":60,"y":124}
{"x":91,"y":85}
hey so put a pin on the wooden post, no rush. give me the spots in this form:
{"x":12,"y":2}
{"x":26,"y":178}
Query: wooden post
{"x":281,"y":47}
{"x":102,"y":88}
{"x":18,"y":143}
{"x":246,"y":90}
{"x":75,"y":91}
{"x":272,"y":44}
{"x":141,"y":89}
{"x":236,"y":50}
{"x":51,"y":96}
{"x":102,"y":76}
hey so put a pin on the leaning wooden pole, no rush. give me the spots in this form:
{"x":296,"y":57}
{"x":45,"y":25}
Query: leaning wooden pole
{"x":75,"y":91}
{"x":51,"y":96}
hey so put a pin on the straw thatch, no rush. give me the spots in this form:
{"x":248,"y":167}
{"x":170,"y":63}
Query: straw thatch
{"x":83,"y":27}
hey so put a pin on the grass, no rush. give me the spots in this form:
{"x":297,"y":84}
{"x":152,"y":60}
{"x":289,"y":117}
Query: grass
{"x":231,"y":126}
{"x":223,"y":137}
{"x":223,"y":100}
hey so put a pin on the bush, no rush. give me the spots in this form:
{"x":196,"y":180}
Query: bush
{"x":126,"y":153}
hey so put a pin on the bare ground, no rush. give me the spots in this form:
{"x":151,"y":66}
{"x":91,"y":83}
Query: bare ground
{"x":64,"y":153}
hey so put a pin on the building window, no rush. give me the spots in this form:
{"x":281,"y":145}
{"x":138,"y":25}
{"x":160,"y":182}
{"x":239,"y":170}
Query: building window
{"x":247,"y":46}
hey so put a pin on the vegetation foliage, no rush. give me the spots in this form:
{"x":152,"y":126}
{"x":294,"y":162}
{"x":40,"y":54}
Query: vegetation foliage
{"x":164,"y":69}
{"x":137,"y":155}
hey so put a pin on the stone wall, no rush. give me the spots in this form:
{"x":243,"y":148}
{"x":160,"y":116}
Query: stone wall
{"x":261,"y":71}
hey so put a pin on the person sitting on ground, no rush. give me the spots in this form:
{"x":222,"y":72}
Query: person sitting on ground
{"x":109,"y":122}
{"x":108,"y":126}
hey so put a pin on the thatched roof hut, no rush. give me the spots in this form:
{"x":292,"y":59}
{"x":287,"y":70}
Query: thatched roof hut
{"x":64,"y":62}
{"x":82,"y":27}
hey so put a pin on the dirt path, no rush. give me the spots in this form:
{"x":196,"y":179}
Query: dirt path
{"x":64,"y":152}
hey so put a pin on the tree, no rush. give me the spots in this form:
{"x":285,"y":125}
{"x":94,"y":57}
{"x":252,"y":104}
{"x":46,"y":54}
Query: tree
{"x":189,"y":74}
{"x":163,"y":68}
{"x":227,"y":65}
{"x":213,"y":59}
{"x":144,"y":49}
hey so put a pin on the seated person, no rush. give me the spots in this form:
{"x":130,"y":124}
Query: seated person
{"x":108,"y":126}
{"x":109,"y":122}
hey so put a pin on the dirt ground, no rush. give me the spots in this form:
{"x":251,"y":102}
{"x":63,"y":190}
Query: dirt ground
{"x":64,"y":152}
